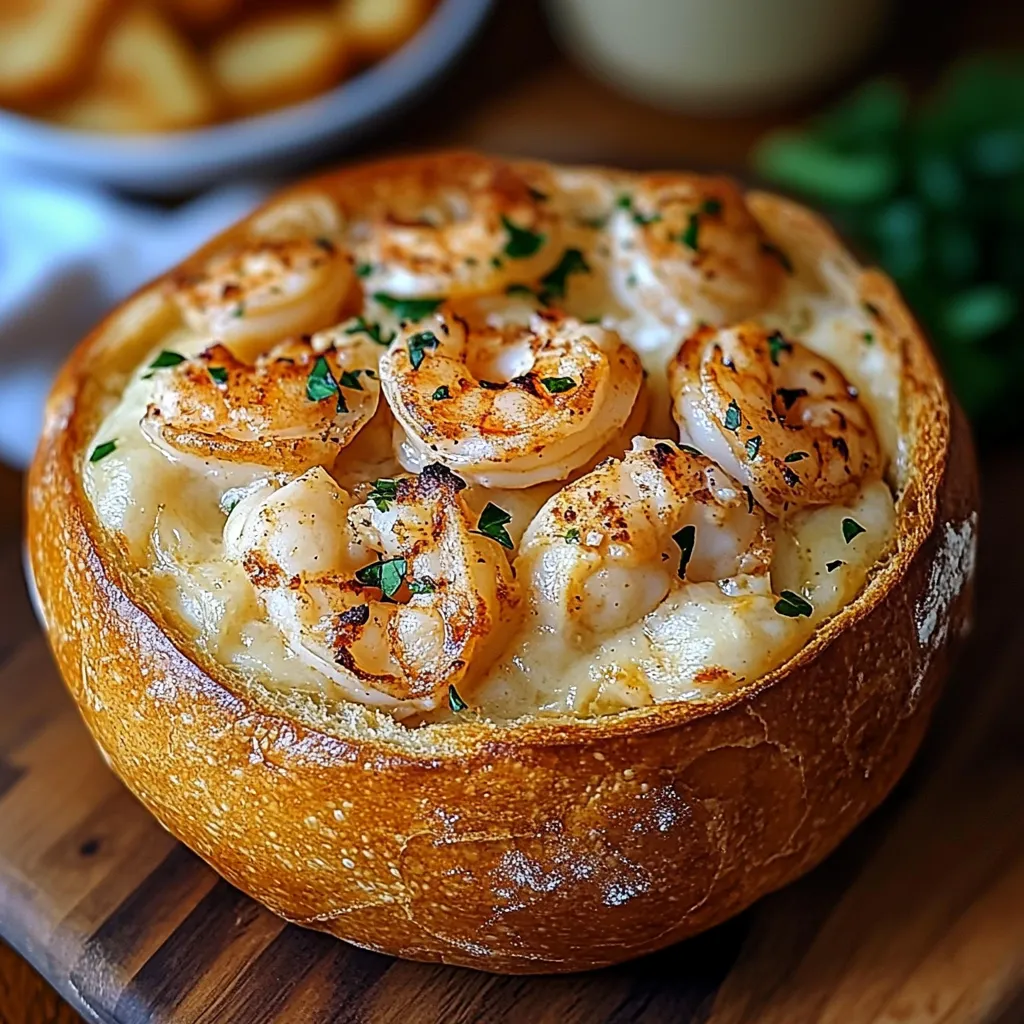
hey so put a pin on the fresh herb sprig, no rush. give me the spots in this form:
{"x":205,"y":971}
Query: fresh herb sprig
{"x":933,"y":192}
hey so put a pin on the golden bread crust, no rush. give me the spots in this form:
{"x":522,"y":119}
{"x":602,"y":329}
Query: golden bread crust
{"x":549,"y":845}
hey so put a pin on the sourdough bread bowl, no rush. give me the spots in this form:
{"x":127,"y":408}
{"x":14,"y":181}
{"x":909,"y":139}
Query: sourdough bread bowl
{"x":557,"y":840}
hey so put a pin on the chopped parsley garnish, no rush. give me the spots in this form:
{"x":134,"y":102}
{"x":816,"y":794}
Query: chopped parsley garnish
{"x":851,"y":529}
{"x":624,"y":202}
{"x":373,"y":329}
{"x":773,"y":250}
{"x":832,"y":566}
{"x":520,"y":289}
{"x":239,"y":311}
{"x":219,"y":374}
{"x":455,"y":702}
{"x":690,"y":450}
{"x":795,"y":457}
{"x":685,"y":538}
{"x":101,"y":451}
{"x":407,"y":309}
{"x":712,"y":207}
{"x":441,"y":392}
{"x":320,"y":383}
{"x":166,"y":359}
{"x":733,"y":417}
{"x":422,"y":586}
{"x":554,"y":282}
{"x":418,"y":345}
{"x":556,"y":385}
{"x":868,"y":338}
{"x":384,"y":491}
{"x":492,"y":524}
{"x":790,"y":477}
{"x":793,"y":605}
{"x":387,"y":575}
{"x":522,"y":242}
{"x":777,"y":344}
{"x":364,"y":269}
{"x":750,"y":499}
{"x":572,"y":535}
{"x":690,"y":236}
{"x":643,"y":219}
{"x":350,"y":379}
{"x":753,"y":447}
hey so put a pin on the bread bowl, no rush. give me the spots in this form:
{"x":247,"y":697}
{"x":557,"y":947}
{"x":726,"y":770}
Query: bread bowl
{"x":469,"y":818}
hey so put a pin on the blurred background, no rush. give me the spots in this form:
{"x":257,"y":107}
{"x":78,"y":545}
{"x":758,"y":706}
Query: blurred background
{"x":131,"y":130}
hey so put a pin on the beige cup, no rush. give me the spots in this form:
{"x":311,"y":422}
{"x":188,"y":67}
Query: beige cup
{"x":717,"y":55}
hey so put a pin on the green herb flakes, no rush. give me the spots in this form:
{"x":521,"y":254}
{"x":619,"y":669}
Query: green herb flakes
{"x":407,"y":309}
{"x":492,"y":524}
{"x":555,"y":282}
{"x":101,"y":451}
{"x":556,"y":385}
{"x":691,"y":235}
{"x":753,"y":447}
{"x":796,"y":457}
{"x":851,"y":529}
{"x":832,"y":566}
{"x":422,"y":586}
{"x":455,"y":702}
{"x":166,"y":359}
{"x":777,"y":344}
{"x":522,"y":243}
{"x":733,"y":417}
{"x":418,"y":345}
{"x":441,"y":393}
{"x":793,"y":605}
{"x":219,"y":375}
{"x":572,"y":535}
{"x":387,"y":575}
{"x":372,"y":329}
{"x":320,"y":383}
{"x":383,"y":493}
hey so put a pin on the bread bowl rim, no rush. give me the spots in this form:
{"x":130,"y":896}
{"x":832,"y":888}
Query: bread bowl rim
{"x":925,"y":423}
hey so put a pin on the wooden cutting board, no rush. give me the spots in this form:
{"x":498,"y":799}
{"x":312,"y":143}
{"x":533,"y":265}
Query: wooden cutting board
{"x":919,"y":916}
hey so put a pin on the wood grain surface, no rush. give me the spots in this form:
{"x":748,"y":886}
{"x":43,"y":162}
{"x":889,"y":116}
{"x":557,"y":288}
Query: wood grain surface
{"x":918,"y":917}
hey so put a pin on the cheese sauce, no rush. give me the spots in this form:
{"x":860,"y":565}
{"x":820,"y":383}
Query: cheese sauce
{"x":648,"y":637}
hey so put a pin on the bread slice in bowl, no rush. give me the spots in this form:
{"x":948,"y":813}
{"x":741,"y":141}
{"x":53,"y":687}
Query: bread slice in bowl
{"x":541,"y":831}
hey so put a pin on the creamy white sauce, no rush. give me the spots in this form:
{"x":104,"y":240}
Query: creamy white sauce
{"x":702,"y":639}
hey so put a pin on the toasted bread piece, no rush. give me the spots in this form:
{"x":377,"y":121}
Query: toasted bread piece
{"x":278,"y":59}
{"x":376,"y":27}
{"x":147,"y":79}
{"x":45,"y":46}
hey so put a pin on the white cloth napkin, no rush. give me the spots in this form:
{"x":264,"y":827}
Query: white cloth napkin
{"x":68,"y":253}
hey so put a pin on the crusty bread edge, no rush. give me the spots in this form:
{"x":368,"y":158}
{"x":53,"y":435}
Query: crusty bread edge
{"x":547,"y":846}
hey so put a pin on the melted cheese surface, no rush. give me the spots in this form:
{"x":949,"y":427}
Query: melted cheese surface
{"x":700,"y":640}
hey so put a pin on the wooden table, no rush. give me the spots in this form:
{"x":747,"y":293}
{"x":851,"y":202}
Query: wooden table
{"x":920,"y":915}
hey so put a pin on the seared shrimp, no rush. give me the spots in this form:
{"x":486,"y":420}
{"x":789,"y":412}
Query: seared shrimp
{"x":565,"y":389}
{"x":608,"y":548}
{"x":265,"y":290}
{"x":466,"y":228}
{"x":686,"y":248}
{"x":778,"y":417}
{"x":296,"y":407}
{"x":395,"y":601}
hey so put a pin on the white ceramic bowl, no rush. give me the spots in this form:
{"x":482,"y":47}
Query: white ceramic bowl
{"x":181,"y":162}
